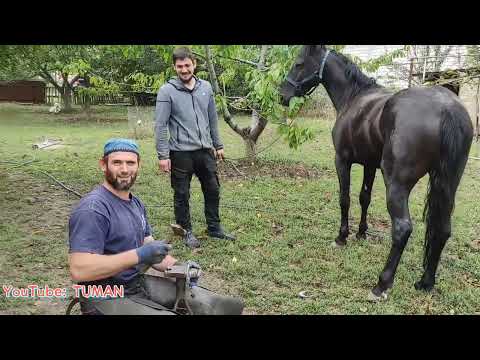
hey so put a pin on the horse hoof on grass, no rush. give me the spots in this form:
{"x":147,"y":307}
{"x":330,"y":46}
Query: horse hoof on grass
{"x":336,"y":245}
{"x":361,"y":236}
{"x":376,"y":298}
{"x":420,"y":285}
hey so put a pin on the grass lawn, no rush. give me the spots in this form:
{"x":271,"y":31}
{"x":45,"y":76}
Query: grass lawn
{"x":284,"y":211}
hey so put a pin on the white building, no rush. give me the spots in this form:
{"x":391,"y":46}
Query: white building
{"x":394,"y":75}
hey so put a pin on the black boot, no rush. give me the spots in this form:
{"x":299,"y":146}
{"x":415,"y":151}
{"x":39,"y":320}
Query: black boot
{"x":219,"y":233}
{"x":190,"y":240}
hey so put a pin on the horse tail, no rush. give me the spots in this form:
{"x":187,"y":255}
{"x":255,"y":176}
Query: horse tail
{"x":456,"y":134}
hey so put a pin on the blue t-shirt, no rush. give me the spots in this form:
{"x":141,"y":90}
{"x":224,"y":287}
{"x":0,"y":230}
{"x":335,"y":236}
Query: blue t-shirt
{"x":102,"y":223}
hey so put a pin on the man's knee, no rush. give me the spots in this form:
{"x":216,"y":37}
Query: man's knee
{"x":181,"y":187}
{"x":211,"y":184}
{"x":161,"y":290}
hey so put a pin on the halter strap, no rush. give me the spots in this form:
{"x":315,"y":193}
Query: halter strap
{"x":317,"y":74}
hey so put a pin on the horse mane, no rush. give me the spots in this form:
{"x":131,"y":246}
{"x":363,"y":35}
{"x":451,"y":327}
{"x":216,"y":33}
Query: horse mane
{"x":360,"y":81}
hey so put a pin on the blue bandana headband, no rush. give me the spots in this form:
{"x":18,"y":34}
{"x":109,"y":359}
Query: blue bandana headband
{"x":113,"y":145}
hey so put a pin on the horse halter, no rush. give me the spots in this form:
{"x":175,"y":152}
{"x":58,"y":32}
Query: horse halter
{"x":317,"y":75}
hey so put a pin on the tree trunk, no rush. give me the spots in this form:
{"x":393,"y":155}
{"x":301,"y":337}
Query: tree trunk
{"x":67,"y":99}
{"x":66,"y":94}
{"x":258,"y":123}
{"x":257,"y":126}
{"x":250,"y":149}
{"x":86,"y":101}
{"x":263,"y":55}
{"x":86,"y":106}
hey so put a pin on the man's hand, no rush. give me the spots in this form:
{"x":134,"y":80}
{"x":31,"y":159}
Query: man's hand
{"x":153,"y":252}
{"x":220,"y":154}
{"x":164,"y":165}
{"x":169,"y":261}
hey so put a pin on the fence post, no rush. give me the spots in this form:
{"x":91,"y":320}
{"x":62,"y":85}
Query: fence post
{"x":410,"y":74}
{"x":424,"y":69}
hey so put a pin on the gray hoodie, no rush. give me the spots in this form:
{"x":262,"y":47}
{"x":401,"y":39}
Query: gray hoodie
{"x":190,"y":116}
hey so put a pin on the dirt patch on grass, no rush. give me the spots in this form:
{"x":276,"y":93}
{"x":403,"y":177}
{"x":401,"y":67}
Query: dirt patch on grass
{"x":244,"y":169}
{"x":383,"y":225}
{"x":35,"y":247}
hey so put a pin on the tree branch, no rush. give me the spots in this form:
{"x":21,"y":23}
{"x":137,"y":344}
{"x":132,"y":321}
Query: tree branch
{"x":76,"y":77}
{"x":258,"y":122}
{"x":65,"y":79}
{"x":258,"y":125}
{"x":211,"y":70}
{"x":213,"y":77}
{"x":247,"y":62}
{"x":263,"y":55}
{"x":46,"y":75}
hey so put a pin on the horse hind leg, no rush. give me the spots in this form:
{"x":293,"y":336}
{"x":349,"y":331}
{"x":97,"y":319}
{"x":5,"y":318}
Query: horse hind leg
{"x":435,"y":240}
{"x":365,"y":196}
{"x":456,"y":135}
{"x":397,"y":201}
{"x":437,"y":215}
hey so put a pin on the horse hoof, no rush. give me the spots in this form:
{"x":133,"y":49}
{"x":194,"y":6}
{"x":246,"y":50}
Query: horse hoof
{"x":375,"y":298}
{"x":420,"y":285}
{"x":336,"y":245}
{"x":361,"y":236}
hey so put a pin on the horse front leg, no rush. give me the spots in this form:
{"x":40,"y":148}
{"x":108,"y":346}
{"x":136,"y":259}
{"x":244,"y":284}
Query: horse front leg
{"x":365,"y":196}
{"x":343,"y":172}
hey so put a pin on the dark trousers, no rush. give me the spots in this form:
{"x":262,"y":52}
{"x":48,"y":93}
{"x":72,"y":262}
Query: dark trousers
{"x":202,"y":163}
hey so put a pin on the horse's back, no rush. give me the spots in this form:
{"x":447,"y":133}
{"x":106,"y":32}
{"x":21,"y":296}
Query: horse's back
{"x":417,"y":112}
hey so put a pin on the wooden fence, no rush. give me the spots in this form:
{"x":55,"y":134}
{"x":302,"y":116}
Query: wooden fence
{"x":52,"y":95}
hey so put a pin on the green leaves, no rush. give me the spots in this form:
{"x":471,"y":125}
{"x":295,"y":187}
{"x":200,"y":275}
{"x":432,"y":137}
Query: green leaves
{"x":77,"y":66}
{"x":374,"y":64}
{"x":145,"y":82}
{"x":99,"y":87}
{"x":295,"y":105}
{"x":295,"y":135}
{"x":262,"y":85}
{"x":220,"y":102}
{"x":264,"y":94}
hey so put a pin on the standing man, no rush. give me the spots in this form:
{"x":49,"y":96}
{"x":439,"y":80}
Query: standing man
{"x":186,"y":107}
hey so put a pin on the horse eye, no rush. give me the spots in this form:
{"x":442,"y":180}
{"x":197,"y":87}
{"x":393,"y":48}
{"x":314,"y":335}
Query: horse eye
{"x":298,"y":64}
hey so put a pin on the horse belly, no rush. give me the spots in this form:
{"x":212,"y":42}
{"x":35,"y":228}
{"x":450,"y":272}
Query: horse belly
{"x":368,"y":145}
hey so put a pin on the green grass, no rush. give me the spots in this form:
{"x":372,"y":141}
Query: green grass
{"x":268,"y":267}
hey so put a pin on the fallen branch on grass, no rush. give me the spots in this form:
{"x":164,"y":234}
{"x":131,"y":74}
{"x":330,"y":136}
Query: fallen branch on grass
{"x":233,"y":165}
{"x":60,"y":183}
{"x":22,"y":164}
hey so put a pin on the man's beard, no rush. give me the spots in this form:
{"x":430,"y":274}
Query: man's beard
{"x":186,"y":81}
{"x":121,"y":185}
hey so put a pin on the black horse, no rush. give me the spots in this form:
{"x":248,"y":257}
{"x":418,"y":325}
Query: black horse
{"x":406,"y":134}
